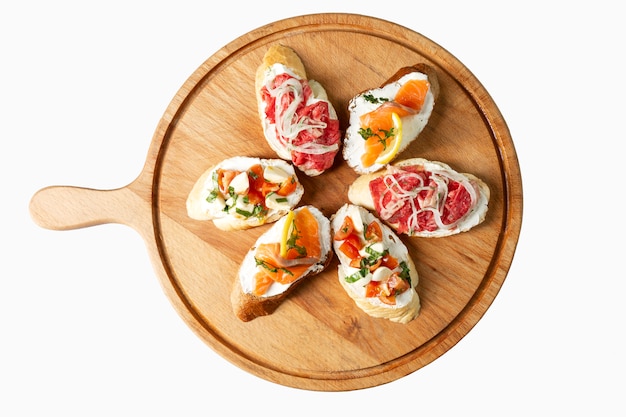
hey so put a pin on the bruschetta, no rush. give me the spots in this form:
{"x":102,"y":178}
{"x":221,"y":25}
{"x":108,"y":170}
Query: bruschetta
{"x":296,"y":247}
{"x":375,"y":267}
{"x":384,"y":121}
{"x":417,"y":197}
{"x":244,"y":192}
{"x":299,"y":122}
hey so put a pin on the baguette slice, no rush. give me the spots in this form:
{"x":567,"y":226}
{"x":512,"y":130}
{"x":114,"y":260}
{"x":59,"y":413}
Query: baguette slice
{"x":380,"y":276}
{"x":370,"y":120}
{"x":269,"y":190}
{"x":370,"y":189}
{"x":307,"y":228}
{"x":299,"y":122}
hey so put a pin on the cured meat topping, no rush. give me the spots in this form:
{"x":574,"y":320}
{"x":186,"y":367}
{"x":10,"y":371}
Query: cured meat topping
{"x":303,"y":124}
{"x":417,"y":200}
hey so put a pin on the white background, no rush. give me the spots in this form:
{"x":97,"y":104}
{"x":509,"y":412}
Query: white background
{"x":85,"y":329}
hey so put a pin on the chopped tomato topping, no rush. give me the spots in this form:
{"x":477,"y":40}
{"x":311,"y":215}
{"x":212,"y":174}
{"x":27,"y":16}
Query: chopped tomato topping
{"x":346,"y":229}
{"x":348,"y":249}
{"x":224,"y":177}
{"x":390,"y":262}
{"x":387,"y":289}
{"x":269,"y":187}
{"x":255,"y":177}
{"x":287,"y":187}
{"x":373,"y":232}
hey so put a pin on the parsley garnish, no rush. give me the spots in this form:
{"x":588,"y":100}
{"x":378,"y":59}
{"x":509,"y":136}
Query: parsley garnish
{"x":405,"y":274}
{"x":386,"y":134}
{"x":374,"y":100}
{"x":271,"y":268}
{"x":265,"y":265}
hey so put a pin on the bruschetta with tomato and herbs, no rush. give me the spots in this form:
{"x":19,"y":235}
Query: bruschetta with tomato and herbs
{"x":375,"y":267}
{"x":244,"y":192}
{"x":417,"y":197}
{"x":298,"y":120}
{"x":296,"y":247}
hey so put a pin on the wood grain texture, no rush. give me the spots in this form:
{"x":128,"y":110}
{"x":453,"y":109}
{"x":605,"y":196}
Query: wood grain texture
{"x":318,"y":339}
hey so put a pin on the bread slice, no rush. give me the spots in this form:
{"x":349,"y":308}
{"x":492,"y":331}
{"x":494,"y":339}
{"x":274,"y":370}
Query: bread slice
{"x":362,"y":192}
{"x":366,"y":102}
{"x":207,"y":202}
{"x":382,"y":260}
{"x":311,"y":153}
{"x":246,"y":305}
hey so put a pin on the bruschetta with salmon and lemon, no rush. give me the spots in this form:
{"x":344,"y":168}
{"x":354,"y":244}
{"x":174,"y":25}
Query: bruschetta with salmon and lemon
{"x":375,"y":267}
{"x":244,"y":192}
{"x":384,"y":121}
{"x":299,"y":122}
{"x":296,"y":247}
{"x":417,"y":197}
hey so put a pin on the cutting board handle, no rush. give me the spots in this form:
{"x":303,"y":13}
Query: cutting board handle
{"x":68,"y":207}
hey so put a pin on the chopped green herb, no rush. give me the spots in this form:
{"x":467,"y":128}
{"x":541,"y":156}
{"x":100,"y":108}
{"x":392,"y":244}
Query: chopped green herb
{"x":405,"y":274}
{"x":212,"y":196}
{"x":265,"y":265}
{"x":366,"y":133}
{"x":375,"y":100}
{"x":293,"y":239}
{"x":353,"y":278}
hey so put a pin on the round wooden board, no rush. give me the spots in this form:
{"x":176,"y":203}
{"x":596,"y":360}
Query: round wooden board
{"x":318,"y":339}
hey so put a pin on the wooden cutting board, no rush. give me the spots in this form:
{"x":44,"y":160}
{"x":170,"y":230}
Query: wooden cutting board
{"x":318,"y":339}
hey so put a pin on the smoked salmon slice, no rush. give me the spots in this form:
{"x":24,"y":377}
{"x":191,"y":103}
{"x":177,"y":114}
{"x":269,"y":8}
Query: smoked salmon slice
{"x":377,"y":124}
{"x":304,"y":250}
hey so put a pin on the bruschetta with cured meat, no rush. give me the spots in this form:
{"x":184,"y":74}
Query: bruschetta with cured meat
{"x":299,"y":122}
{"x":296,"y":247}
{"x":244,"y":192}
{"x":417,"y":197}
{"x":375,"y":267}
{"x":383,"y":121}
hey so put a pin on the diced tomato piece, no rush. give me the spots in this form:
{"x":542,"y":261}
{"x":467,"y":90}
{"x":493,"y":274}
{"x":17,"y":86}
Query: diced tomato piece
{"x":355,"y":241}
{"x":373,"y":232}
{"x":388,"y":299}
{"x":373,"y":289}
{"x":346,"y":229}
{"x":396,"y":284}
{"x":255,"y":177}
{"x":356,"y":262}
{"x":224,"y":177}
{"x":348,"y":249}
{"x":389,"y":261}
{"x":255,"y":197}
{"x":287,"y":187}
{"x":269,"y":187}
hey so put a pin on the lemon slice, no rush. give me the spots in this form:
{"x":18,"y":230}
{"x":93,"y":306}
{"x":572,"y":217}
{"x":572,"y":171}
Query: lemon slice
{"x":391,"y":150}
{"x":286,"y":233}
